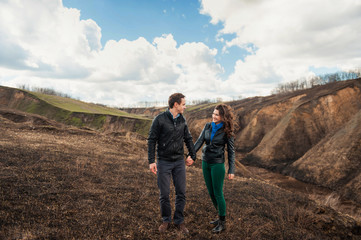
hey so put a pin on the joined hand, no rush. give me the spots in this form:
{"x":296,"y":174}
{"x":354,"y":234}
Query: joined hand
{"x":189,"y":161}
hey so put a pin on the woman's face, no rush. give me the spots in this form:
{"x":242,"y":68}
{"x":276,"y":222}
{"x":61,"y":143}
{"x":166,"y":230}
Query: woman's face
{"x":216,"y":118}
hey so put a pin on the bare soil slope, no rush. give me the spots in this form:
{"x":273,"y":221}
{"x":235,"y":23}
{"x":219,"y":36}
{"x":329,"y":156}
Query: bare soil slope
{"x":60,"y":182}
{"x":339,"y":155}
{"x":302,"y":134}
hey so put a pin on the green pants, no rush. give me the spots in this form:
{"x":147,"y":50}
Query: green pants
{"x":214,"y":177}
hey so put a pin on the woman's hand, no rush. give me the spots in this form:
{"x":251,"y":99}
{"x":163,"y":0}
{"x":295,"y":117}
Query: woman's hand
{"x":230,"y":176}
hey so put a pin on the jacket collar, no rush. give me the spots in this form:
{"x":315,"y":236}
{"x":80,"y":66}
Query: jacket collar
{"x":170,"y":115}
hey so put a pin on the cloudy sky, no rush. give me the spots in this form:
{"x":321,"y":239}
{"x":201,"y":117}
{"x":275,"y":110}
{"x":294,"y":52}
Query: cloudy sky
{"x":121,"y":52}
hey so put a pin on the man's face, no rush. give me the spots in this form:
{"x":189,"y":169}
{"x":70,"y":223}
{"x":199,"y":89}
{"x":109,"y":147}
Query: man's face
{"x":180,"y":107}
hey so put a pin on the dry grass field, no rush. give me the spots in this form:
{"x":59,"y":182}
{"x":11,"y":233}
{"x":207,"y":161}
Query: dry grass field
{"x":60,"y":182}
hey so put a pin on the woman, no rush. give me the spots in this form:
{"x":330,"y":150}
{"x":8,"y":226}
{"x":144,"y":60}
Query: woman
{"x":216,"y":135}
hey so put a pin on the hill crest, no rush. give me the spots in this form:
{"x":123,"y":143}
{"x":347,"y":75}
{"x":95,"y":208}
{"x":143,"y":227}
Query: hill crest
{"x":73,"y":112}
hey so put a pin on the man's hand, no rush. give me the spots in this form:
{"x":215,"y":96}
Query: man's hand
{"x":230,"y":176}
{"x":189,"y":161}
{"x":153,"y":168}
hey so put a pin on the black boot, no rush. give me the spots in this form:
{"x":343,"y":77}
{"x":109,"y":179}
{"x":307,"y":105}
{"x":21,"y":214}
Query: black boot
{"x":215,"y":222}
{"x":220,"y":227}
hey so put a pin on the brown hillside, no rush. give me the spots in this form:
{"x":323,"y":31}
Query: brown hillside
{"x":337,"y":155}
{"x":278,"y":130}
{"x":61,"y":182}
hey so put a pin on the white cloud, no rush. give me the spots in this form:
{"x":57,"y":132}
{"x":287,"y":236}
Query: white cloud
{"x":48,"y":45}
{"x":44,"y":37}
{"x":289,"y":36}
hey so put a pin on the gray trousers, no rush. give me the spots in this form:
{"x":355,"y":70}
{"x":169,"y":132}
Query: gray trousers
{"x":175,"y":170}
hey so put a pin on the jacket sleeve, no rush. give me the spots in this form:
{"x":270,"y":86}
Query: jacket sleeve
{"x":153,"y":139}
{"x":231,"y":154}
{"x":189,"y":142}
{"x":200,"y":139}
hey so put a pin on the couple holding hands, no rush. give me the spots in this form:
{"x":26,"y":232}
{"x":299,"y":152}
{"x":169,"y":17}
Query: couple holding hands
{"x":167,"y":134}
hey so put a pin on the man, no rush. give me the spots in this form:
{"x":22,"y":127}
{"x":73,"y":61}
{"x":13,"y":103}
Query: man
{"x":168,"y":131}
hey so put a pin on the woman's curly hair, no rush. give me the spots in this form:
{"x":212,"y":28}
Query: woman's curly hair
{"x":227,"y":115}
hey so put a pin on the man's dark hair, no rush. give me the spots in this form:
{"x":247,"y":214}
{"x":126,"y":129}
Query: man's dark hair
{"x":175,"y":98}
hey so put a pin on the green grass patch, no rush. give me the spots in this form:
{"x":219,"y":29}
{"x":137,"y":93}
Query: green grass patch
{"x":73,"y":105}
{"x":76,"y":122}
{"x":196,"y":108}
{"x":142,"y":127}
{"x":98,"y":121}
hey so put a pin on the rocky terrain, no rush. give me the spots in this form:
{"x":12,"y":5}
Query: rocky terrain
{"x":62,"y":182}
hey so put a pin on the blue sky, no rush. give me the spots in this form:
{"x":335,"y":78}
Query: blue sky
{"x":123,"y":52}
{"x":131,"y":19}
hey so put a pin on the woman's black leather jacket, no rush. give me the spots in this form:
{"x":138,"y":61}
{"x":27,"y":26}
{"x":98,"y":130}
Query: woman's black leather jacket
{"x":213,"y":151}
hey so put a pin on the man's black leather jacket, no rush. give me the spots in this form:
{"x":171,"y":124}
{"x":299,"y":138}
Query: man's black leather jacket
{"x":213,"y":151}
{"x":169,"y":134}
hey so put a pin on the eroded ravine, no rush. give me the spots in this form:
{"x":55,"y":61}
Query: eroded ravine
{"x":321,"y":195}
